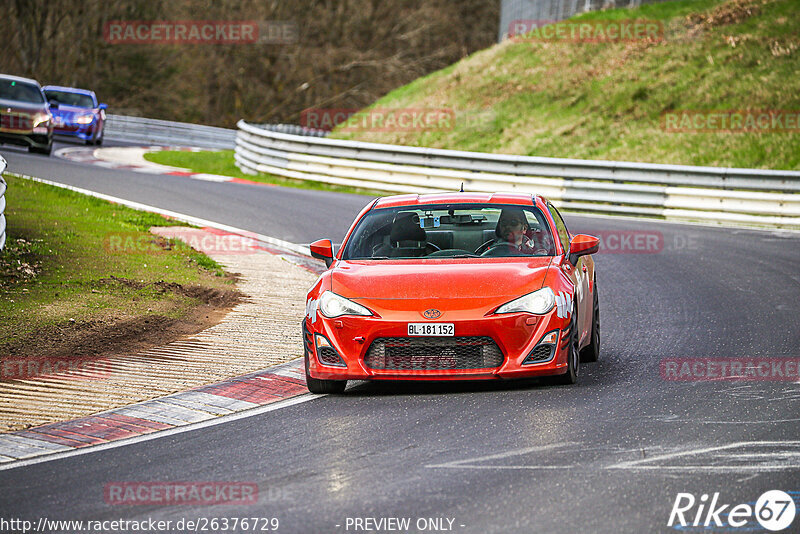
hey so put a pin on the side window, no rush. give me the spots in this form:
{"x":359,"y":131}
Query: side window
{"x":563,"y":234}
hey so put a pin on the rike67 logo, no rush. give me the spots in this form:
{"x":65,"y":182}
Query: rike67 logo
{"x":774,"y":510}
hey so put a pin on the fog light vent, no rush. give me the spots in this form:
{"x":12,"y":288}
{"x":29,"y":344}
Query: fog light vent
{"x":326,"y":354}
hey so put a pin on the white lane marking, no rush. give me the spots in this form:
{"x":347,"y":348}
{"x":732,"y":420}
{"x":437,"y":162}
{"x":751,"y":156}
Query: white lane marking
{"x":704,"y":422}
{"x":197,"y":221}
{"x":741,"y":457}
{"x":784,"y":459}
{"x":163,"y":433}
{"x":465,"y":464}
{"x":210,"y":177}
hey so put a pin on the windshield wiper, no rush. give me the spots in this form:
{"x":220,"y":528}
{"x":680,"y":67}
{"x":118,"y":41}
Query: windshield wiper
{"x":464,"y":256}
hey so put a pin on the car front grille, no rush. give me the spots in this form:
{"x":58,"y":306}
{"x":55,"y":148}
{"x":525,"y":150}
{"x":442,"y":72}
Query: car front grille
{"x":433,"y":353}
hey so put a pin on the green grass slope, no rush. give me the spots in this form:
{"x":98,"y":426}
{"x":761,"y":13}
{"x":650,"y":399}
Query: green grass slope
{"x":606,"y":100}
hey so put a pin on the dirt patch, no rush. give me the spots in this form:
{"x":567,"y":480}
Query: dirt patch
{"x":118,"y":334}
{"x":732,"y":12}
{"x":22,"y":263}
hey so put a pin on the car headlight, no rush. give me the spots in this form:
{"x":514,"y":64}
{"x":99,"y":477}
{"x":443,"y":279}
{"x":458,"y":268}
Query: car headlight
{"x":85,"y":119}
{"x":332,"y":305}
{"x":40,"y":119}
{"x":538,"y":302}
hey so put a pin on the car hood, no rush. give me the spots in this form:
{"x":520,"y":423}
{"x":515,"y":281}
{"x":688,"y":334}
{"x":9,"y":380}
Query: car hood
{"x":21,"y":107}
{"x":71,"y":111}
{"x":398,"y":285}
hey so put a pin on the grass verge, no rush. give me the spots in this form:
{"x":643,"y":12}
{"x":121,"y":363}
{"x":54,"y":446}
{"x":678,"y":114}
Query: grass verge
{"x":221,"y":162}
{"x":63,"y":287}
{"x":606,"y":100}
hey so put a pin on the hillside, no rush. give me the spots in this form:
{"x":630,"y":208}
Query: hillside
{"x":606,"y":100}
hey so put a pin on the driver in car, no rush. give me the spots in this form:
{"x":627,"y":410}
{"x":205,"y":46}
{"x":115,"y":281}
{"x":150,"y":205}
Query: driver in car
{"x":514,"y":236}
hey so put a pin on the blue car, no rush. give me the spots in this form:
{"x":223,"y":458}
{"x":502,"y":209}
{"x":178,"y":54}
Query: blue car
{"x":78,"y":113}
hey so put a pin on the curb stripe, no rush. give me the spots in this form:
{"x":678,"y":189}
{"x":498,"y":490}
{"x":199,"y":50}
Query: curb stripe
{"x":205,"y":404}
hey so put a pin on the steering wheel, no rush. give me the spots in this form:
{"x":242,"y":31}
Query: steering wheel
{"x":483,"y":248}
{"x":429,"y":245}
{"x":501,"y":249}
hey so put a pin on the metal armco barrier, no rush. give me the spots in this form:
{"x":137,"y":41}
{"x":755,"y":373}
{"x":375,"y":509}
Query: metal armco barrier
{"x":154,"y":131}
{"x":676,"y":192}
{"x":294,"y":129}
{"x":3,"y":166}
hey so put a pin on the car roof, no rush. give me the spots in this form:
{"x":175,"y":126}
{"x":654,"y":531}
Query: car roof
{"x":19,"y":79}
{"x":521,"y":199}
{"x":68,"y":89}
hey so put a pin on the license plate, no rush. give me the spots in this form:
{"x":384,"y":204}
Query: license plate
{"x":431,"y":329}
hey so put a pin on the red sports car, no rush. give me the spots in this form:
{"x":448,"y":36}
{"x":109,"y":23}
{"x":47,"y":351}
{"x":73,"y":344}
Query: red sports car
{"x":452,"y":286}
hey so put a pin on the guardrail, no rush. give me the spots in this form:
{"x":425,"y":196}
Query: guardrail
{"x":294,"y":129}
{"x":676,"y":192}
{"x":3,"y":166}
{"x":154,"y":131}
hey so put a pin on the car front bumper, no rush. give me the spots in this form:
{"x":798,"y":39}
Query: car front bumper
{"x":515,"y":335}
{"x":81,"y":131}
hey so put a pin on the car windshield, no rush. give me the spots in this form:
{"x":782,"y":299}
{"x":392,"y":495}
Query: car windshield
{"x":450,"y":230}
{"x":79,"y":100}
{"x":20,"y":91}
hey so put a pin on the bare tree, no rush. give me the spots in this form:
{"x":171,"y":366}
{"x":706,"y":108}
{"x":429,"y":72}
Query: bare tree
{"x":348,"y":53}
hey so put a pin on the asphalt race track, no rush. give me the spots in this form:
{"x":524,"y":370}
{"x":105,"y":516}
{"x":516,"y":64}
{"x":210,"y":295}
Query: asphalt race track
{"x":609,"y":454}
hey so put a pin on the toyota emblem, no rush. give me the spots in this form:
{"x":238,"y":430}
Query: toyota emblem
{"x":432,"y":313}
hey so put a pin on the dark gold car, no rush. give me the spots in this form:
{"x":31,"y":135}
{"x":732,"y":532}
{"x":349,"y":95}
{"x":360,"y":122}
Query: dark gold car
{"x":25,"y":117}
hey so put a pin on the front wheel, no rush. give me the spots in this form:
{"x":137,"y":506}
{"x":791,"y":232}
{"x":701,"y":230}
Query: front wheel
{"x":318,"y":386}
{"x":574,"y":358}
{"x":591,"y":352}
{"x":44,"y":150}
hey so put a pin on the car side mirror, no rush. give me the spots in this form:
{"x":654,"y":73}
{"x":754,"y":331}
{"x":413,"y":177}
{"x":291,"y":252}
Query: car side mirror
{"x":322,"y":250}
{"x":582,"y":245}
{"x":53,"y":104}
{"x":102,"y":106}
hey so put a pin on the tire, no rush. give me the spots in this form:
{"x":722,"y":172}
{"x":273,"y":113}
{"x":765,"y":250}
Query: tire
{"x":318,"y":386}
{"x":574,"y":358}
{"x":591,"y":352}
{"x":96,"y":139}
{"x":46,"y":150}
